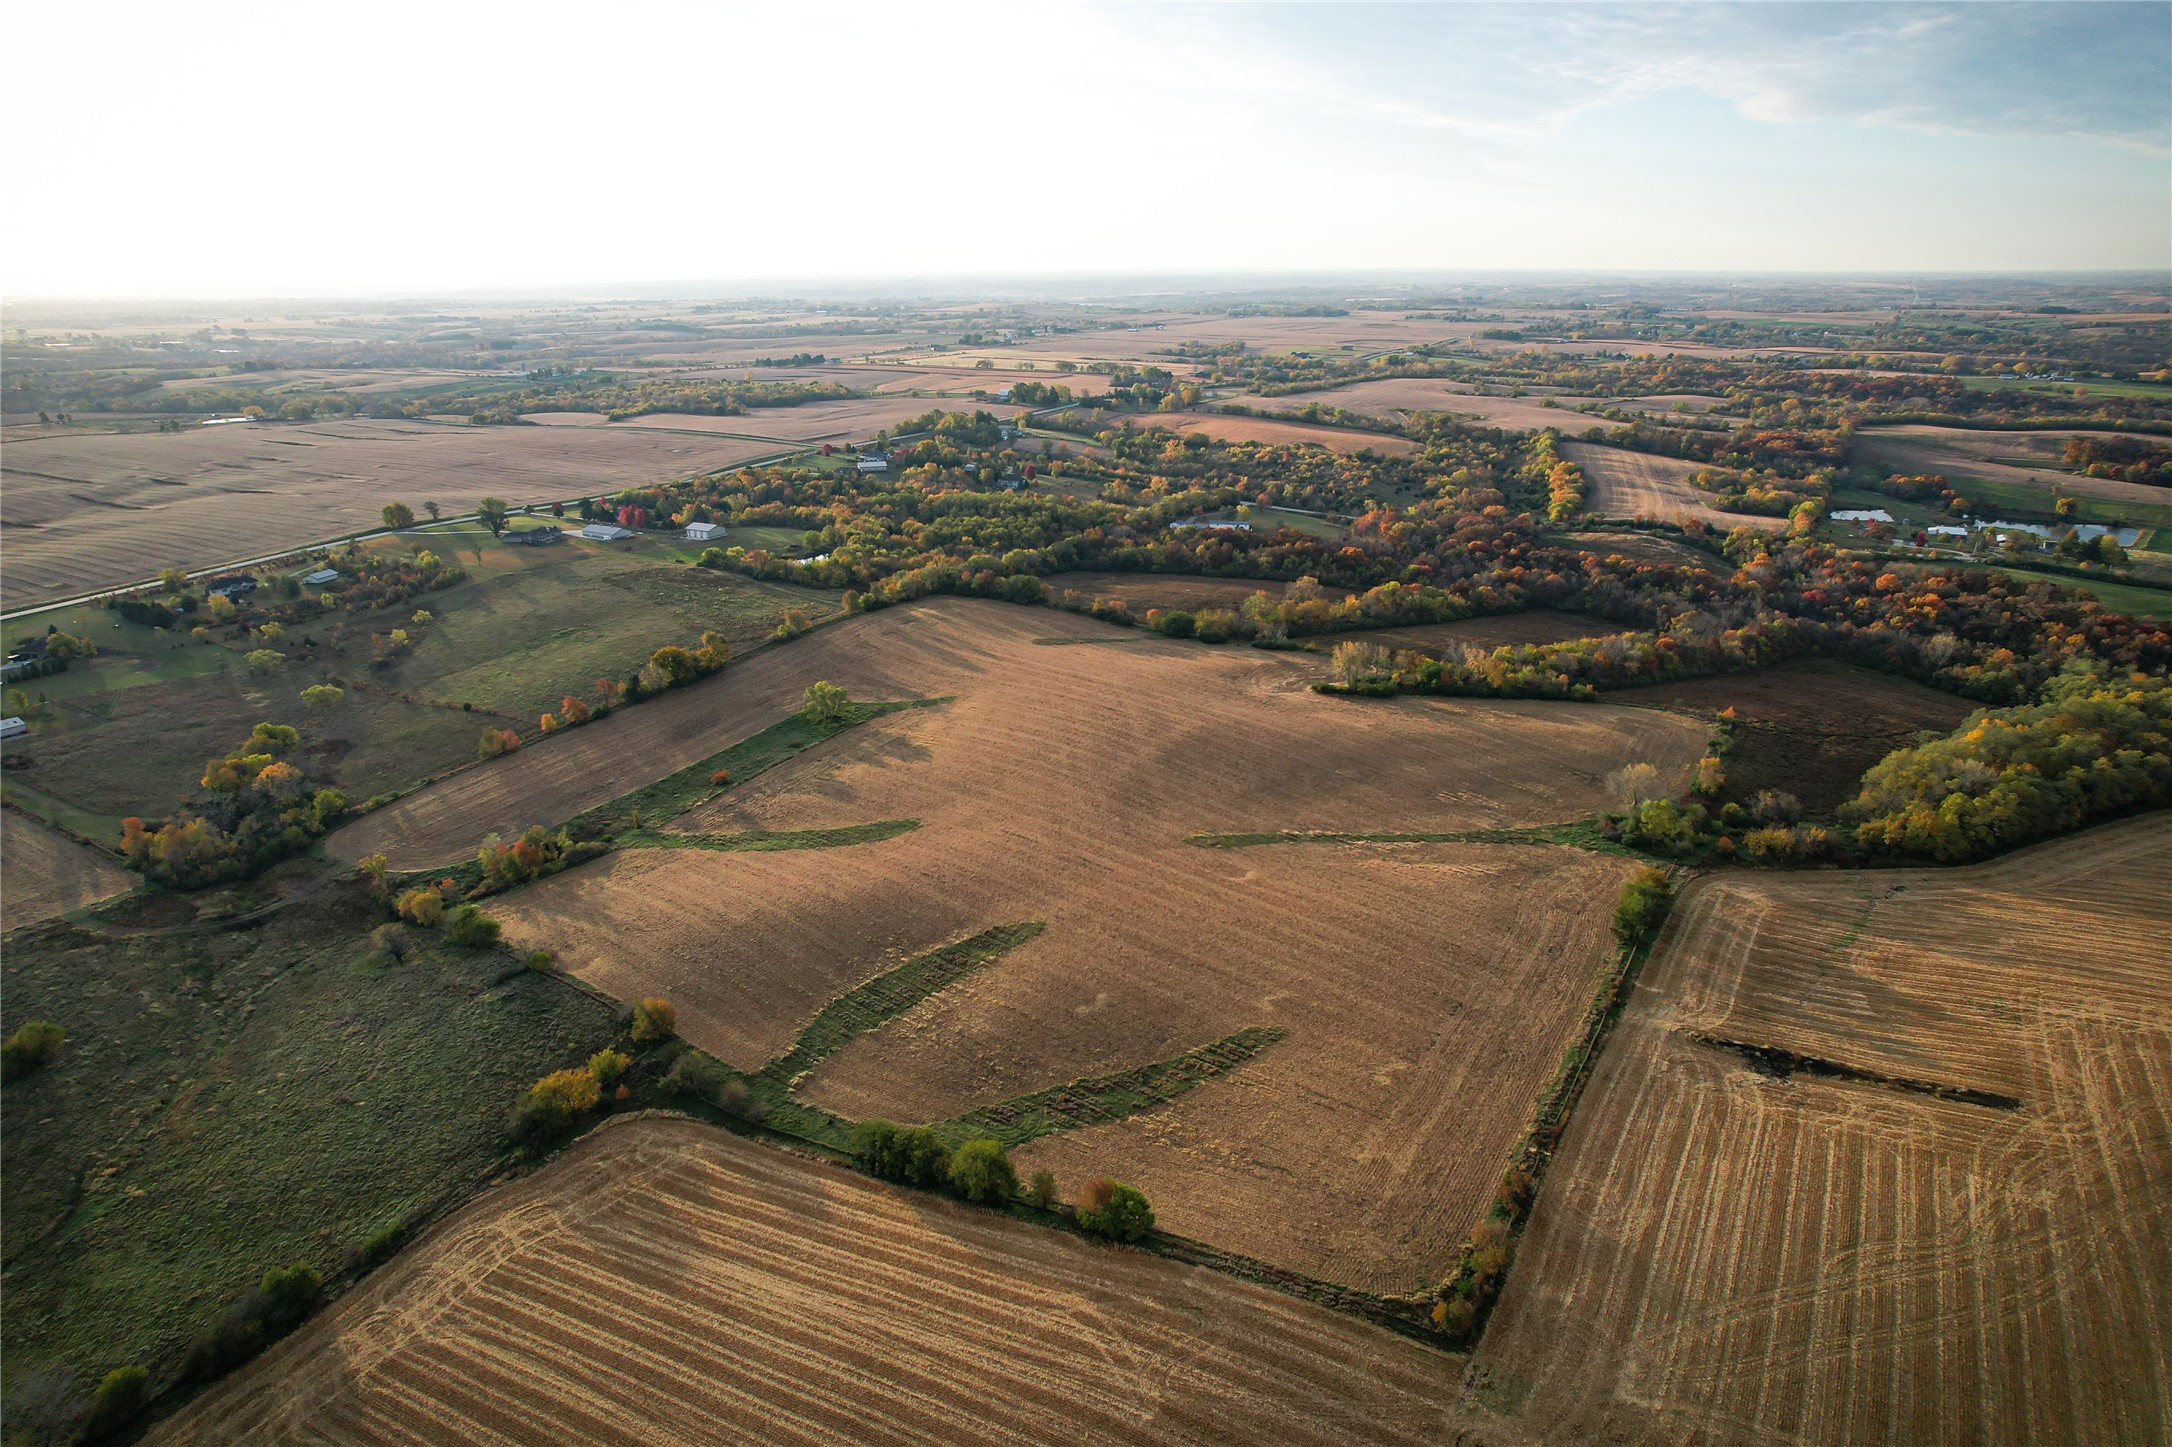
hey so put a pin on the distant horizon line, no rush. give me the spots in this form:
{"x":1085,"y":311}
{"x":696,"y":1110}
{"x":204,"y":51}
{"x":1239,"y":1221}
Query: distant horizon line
{"x":1139,"y":282}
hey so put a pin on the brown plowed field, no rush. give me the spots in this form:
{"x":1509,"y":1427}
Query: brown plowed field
{"x":43,"y":873}
{"x":1428,"y":990}
{"x":1723,"y":1256}
{"x":1623,"y":484}
{"x":1273,"y":429}
{"x":98,"y":509}
{"x":665,"y":1283}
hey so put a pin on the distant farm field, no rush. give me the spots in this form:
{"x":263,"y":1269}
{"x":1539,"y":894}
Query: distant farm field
{"x":1394,"y":397}
{"x":1062,"y":785}
{"x":1272,"y":429}
{"x":1623,"y":484}
{"x":846,"y":419}
{"x":2014,"y":469}
{"x":1173,"y":590}
{"x":1940,"y":1216}
{"x":1494,"y":630}
{"x":95,"y":509}
{"x":43,"y":873}
{"x":666,"y":1283}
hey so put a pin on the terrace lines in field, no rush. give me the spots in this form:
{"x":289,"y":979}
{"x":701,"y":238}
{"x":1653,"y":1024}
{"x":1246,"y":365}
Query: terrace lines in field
{"x":1799,"y":1257}
{"x":820,"y":1307}
{"x":1058,"y":784}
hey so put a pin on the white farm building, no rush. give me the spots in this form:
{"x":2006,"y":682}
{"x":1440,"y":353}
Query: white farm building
{"x":704,"y":532}
{"x":606,"y":533}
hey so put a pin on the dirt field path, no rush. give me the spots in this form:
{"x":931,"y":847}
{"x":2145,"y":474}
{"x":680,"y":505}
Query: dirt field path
{"x":1623,"y":484}
{"x":665,"y":1283}
{"x":1819,"y":1259}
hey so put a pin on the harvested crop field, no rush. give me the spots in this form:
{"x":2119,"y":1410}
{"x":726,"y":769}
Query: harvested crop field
{"x":723,"y":1291}
{"x":43,"y":873}
{"x":1754,"y":1255}
{"x":98,"y":509}
{"x":1173,"y":590}
{"x":1623,"y":484}
{"x":1810,"y":727}
{"x":1394,"y":397}
{"x":1271,"y":429}
{"x":1535,"y":625}
{"x":1061,"y":785}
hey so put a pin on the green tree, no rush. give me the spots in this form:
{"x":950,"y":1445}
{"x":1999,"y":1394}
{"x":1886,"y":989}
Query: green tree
{"x":30,"y":1049}
{"x":607,"y":1066}
{"x":654,"y":1018}
{"x":471,"y":929}
{"x":493,"y":513}
{"x":875,"y":1142}
{"x":322,"y":695}
{"x":117,"y":1403}
{"x":1115,"y":1210}
{"x":1641,"y":906}
{"x":397,"y":515}
{"x":1043,"y":1189}
{"x":825,"y":703}
{"x":981,"y":1173}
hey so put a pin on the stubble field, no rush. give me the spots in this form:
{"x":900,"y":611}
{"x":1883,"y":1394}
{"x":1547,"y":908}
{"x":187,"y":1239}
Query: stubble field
{"x":1427,"y":989}
{"x":1392,"y":397}
{"x":99,"y":509}
{"x":1272,"y":429}
{"x":1839,"y":1254}
{"x":666,"y":1283}
{"x":43,"y":873}
{"x":1623,"y":484}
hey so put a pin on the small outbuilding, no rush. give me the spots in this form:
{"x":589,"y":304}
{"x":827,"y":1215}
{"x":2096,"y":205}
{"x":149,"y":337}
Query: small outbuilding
{"x":13,"y":728}
{"x":704,"y":532}
{"x":605,"y":533}
{"x":319,"y":578}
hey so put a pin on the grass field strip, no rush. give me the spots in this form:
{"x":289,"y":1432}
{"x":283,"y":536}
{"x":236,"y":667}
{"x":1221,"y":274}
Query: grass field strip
{"x":761,"y":840}
{"x":1583,"y":834}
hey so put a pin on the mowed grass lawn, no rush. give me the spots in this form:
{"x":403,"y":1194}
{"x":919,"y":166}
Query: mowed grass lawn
{"x":234,"y":1100}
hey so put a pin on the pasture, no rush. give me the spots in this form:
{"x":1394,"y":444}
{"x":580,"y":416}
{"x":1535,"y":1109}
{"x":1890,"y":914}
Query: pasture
{"x":843,"y":420}
{"x":2019,"y":470}
{"x":1142,"y":591}
{"x":128,"y":732}
{"x":1877,"y":1157}
{"x":1494,"y":630}
{"x":1357,"y":1148}
{"x":86,"y":510}
{"x":665,"y":1283}
{"x":233,"y":1099}
{"x":1810,"y":727}
{"x":1623,"y":484}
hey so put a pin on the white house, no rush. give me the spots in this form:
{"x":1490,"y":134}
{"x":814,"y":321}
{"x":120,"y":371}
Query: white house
{"x":606,"y":533}
{"x":875,"y":462}
{"x":704,"y":532}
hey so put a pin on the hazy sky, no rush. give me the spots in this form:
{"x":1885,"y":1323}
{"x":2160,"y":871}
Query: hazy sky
{"x":293,"y":148}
